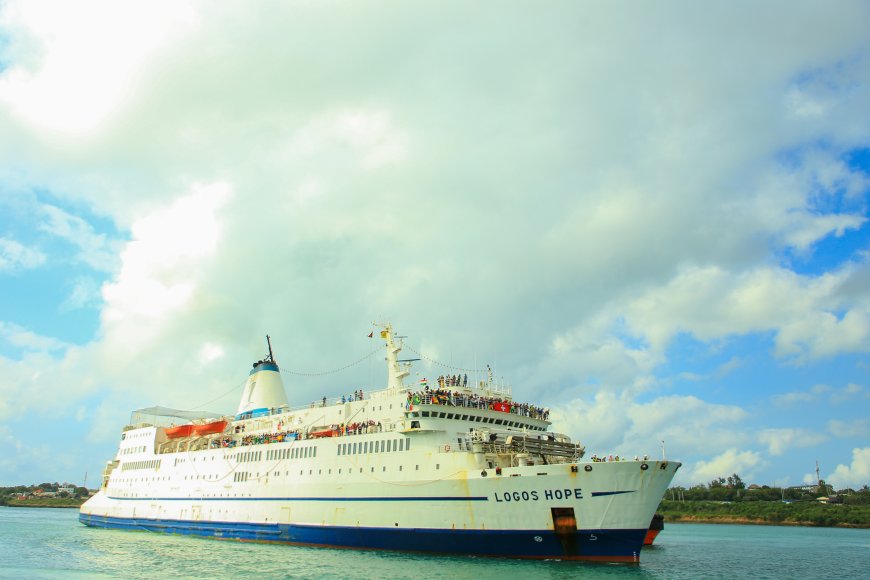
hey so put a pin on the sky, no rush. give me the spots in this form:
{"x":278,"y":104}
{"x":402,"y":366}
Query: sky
{"x":651,"y":218}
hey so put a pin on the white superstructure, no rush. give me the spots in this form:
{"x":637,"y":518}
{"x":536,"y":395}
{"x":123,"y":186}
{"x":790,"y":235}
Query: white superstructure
{"x":443,"y":467}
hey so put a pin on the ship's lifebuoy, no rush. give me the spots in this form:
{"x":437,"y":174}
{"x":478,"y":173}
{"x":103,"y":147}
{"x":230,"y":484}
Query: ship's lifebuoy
{"x":644,"y":466}
{"x":447,"y":448}
{"x":588,"y":468}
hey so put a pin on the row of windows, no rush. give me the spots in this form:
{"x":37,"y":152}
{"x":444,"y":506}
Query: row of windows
{"x":150,"y":464}
{"x":291,"y":453}
{"x":248,"y":456}
{"x":130,"y":450}
{"x":136,"y":435}
{"x":477,"y":418}
{"x":243,"y":476}
{"x":366,"y":447}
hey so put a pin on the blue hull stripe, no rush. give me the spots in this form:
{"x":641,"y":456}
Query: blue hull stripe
{"x":604,"y":545}
{"x":601,"y":493}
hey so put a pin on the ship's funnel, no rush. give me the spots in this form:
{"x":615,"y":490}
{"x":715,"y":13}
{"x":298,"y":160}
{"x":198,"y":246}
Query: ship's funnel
{"x":264,"y":389}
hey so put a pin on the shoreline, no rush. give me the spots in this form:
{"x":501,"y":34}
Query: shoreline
{"x":42,"y":504}
{"x":757,"y":522}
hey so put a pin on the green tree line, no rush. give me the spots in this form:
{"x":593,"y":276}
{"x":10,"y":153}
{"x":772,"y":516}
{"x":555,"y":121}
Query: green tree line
{"x":9,"y":495}
{"x":728,"y":499}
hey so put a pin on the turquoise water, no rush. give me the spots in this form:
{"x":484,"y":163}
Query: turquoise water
{"x":50,"y":543}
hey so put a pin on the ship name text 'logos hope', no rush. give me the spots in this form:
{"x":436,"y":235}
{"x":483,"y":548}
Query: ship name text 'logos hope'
{"x":548,"y":494}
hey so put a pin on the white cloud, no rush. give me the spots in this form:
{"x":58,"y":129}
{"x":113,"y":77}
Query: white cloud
{"x":821,"y":392}
{"x":687,"y":425}
{"x":598,"y":347}
{"x":743,"y":463}
{"x":779,"y":441}
{"x":72,"y":65}
{"x":158,"y":266}
{"x":96,"y":250}
{"x":849,"y":392}
{"x":853,"y":428}
{"x":85,"y":293}
{"x":13,"y":447}
{"x":14,"y":255}
{"x":714,"y":304}
{"x":210,"y":352}
{"x":601,"y":425}
{"x":854,"y":475}
{"x":792,"y":398}
{"x":20,"y":337}
{"x":810,"y":479}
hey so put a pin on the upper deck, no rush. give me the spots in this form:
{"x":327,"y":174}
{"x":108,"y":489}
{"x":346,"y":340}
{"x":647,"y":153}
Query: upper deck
{"x":448,"y":404}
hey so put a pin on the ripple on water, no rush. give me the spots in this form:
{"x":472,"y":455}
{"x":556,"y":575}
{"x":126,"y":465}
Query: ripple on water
{"x":50,"y":543}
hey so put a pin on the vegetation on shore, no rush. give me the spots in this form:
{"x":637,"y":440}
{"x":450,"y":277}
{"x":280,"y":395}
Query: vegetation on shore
{"x":728,"y":500}
{"x":805,"y":513}
{"x":51,"y":502}
{"x":42,"y":495}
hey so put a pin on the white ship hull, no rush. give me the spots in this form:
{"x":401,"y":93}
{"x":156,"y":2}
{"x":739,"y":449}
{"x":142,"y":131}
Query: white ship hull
{"x":423,"y":479}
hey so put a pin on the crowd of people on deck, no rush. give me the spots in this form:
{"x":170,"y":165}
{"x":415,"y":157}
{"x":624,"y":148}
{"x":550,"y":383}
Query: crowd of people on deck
{"x":334,"y":430}
{"x":451,"y":381}
{"x":440,"y":396}
{"x":356,"y":396}
{"x":355,"y":428}
{"x":603,"y":459}
{"x":455,"y":398}
{"x":260,"y":439}
{"x":358,"y":428}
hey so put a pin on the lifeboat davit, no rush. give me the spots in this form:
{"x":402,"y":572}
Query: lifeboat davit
{"x":179,"y":431}
{"x":209,"y":428}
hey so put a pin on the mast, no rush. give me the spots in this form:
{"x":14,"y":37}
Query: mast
{"x":397,"y":369}
{"x":269,"y":343}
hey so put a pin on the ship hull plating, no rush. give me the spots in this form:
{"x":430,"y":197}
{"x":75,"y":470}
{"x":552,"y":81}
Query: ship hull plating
{"x":558,"y":514}
{"x":593,"y":545}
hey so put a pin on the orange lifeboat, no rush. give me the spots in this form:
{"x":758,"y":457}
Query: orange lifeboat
{"x":209,"y":428}
{"x":179,"y":431}
{"x":324,"y":433}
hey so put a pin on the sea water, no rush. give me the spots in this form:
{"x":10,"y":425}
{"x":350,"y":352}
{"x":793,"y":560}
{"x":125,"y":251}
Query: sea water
{"x":51,"y":543}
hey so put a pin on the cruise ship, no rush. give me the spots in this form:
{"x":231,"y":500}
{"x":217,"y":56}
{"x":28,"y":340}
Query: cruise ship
{"x":439,"y":466}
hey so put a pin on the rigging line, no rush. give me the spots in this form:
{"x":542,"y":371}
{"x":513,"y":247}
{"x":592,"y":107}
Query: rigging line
{"x":347,"y":366}
{"x":441,"y":364}
{"x":219,"y":398}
